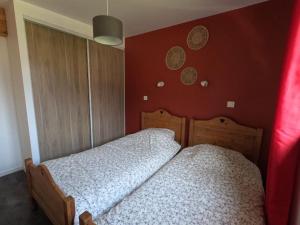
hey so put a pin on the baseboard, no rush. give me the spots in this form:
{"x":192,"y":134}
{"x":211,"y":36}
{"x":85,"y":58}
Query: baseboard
{"x":9,"y":171}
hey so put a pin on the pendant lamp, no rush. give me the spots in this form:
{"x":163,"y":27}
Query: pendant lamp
{"x":107,"y":30}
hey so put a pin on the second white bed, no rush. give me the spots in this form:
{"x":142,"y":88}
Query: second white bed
{"x":204,"y":184}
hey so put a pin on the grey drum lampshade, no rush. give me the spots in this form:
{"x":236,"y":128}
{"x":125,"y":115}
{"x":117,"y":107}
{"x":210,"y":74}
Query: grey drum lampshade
{"x":107,"y":30}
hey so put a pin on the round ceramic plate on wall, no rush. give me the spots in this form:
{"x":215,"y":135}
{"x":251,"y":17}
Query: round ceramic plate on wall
{"x":189,"y":76}
{"x":198,"y":37}
{"x":175,"y":58}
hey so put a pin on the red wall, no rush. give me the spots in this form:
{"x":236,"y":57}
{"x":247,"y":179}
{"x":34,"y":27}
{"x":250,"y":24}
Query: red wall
{"x":242,"y":62}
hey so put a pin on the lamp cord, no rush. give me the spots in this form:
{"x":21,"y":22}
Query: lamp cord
{"x":107,"y":7}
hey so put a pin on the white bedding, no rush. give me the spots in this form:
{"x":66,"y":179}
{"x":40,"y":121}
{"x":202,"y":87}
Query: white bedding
{"x":205,"y":185}
{"x":101,"y":177}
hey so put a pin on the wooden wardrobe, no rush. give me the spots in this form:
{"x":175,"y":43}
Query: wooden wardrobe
{"x":78,"y":90}
{"x":107,"y":87}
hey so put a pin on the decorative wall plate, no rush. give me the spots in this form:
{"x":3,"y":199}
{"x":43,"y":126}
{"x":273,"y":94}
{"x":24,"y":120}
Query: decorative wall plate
{"x":189,"y":76}
{"x":198,"y":37}
{"x":175,"y":58}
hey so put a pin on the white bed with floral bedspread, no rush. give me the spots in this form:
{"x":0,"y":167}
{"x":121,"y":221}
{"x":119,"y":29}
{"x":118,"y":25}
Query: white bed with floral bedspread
{"x":204,"y":184}
{"x":99,"y":178}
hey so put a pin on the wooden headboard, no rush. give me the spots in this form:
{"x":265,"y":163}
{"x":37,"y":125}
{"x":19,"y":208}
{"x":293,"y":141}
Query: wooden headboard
{"x":163,"y":119}
{"x":224,"y":132}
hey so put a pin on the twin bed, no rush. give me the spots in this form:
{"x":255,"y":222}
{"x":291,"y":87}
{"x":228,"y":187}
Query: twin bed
{"x":137,"y":179}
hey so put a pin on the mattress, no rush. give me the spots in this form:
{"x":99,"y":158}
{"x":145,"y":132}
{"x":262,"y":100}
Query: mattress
{"x":205,"y":184}
{"x":99,"y":178}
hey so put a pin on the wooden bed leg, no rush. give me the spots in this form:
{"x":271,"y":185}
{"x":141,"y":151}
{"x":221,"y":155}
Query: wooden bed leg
{"x":70,"y":209}
{"x":86,"y":219}
{"x":28,"y":164}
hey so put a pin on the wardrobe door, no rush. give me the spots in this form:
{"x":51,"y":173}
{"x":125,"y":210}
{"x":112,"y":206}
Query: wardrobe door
{"x":58,"y":63}
{"x":107,"y":92}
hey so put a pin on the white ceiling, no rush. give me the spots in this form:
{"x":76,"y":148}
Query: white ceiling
{"x":140,"y":16}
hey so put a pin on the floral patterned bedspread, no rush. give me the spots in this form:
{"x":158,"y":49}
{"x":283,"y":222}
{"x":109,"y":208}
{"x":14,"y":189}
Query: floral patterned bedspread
{"x":205,"y":185}
{"x":101,"y":177}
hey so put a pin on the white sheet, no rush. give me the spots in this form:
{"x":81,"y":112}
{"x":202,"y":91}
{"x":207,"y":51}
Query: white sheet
{"x":205,"y":185}
{"x":101,"y":177}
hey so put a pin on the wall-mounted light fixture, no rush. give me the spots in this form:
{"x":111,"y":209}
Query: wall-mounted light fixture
{"x":204,"y":83}
{"x":160,"y":84}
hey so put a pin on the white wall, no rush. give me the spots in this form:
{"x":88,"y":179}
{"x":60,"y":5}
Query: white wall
{"x":10,"y":152}
{"x":17,"y":80}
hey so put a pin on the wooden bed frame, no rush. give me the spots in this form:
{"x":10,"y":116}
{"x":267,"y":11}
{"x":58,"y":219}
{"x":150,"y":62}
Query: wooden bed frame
{"x":59,"y":208}
{"x":225,"y":132}
{"x":219,"y":131}
{"x":162,"y":119}
{"x":86,"y":219}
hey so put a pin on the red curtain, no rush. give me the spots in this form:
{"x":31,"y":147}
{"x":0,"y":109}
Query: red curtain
{"x":285,"y":145}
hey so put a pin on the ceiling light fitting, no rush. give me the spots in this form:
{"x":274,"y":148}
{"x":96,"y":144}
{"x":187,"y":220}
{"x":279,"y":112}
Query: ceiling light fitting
{"x":107,"y":30}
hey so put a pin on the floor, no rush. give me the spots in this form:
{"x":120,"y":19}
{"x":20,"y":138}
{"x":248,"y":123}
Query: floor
{"x":15,"y":203}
